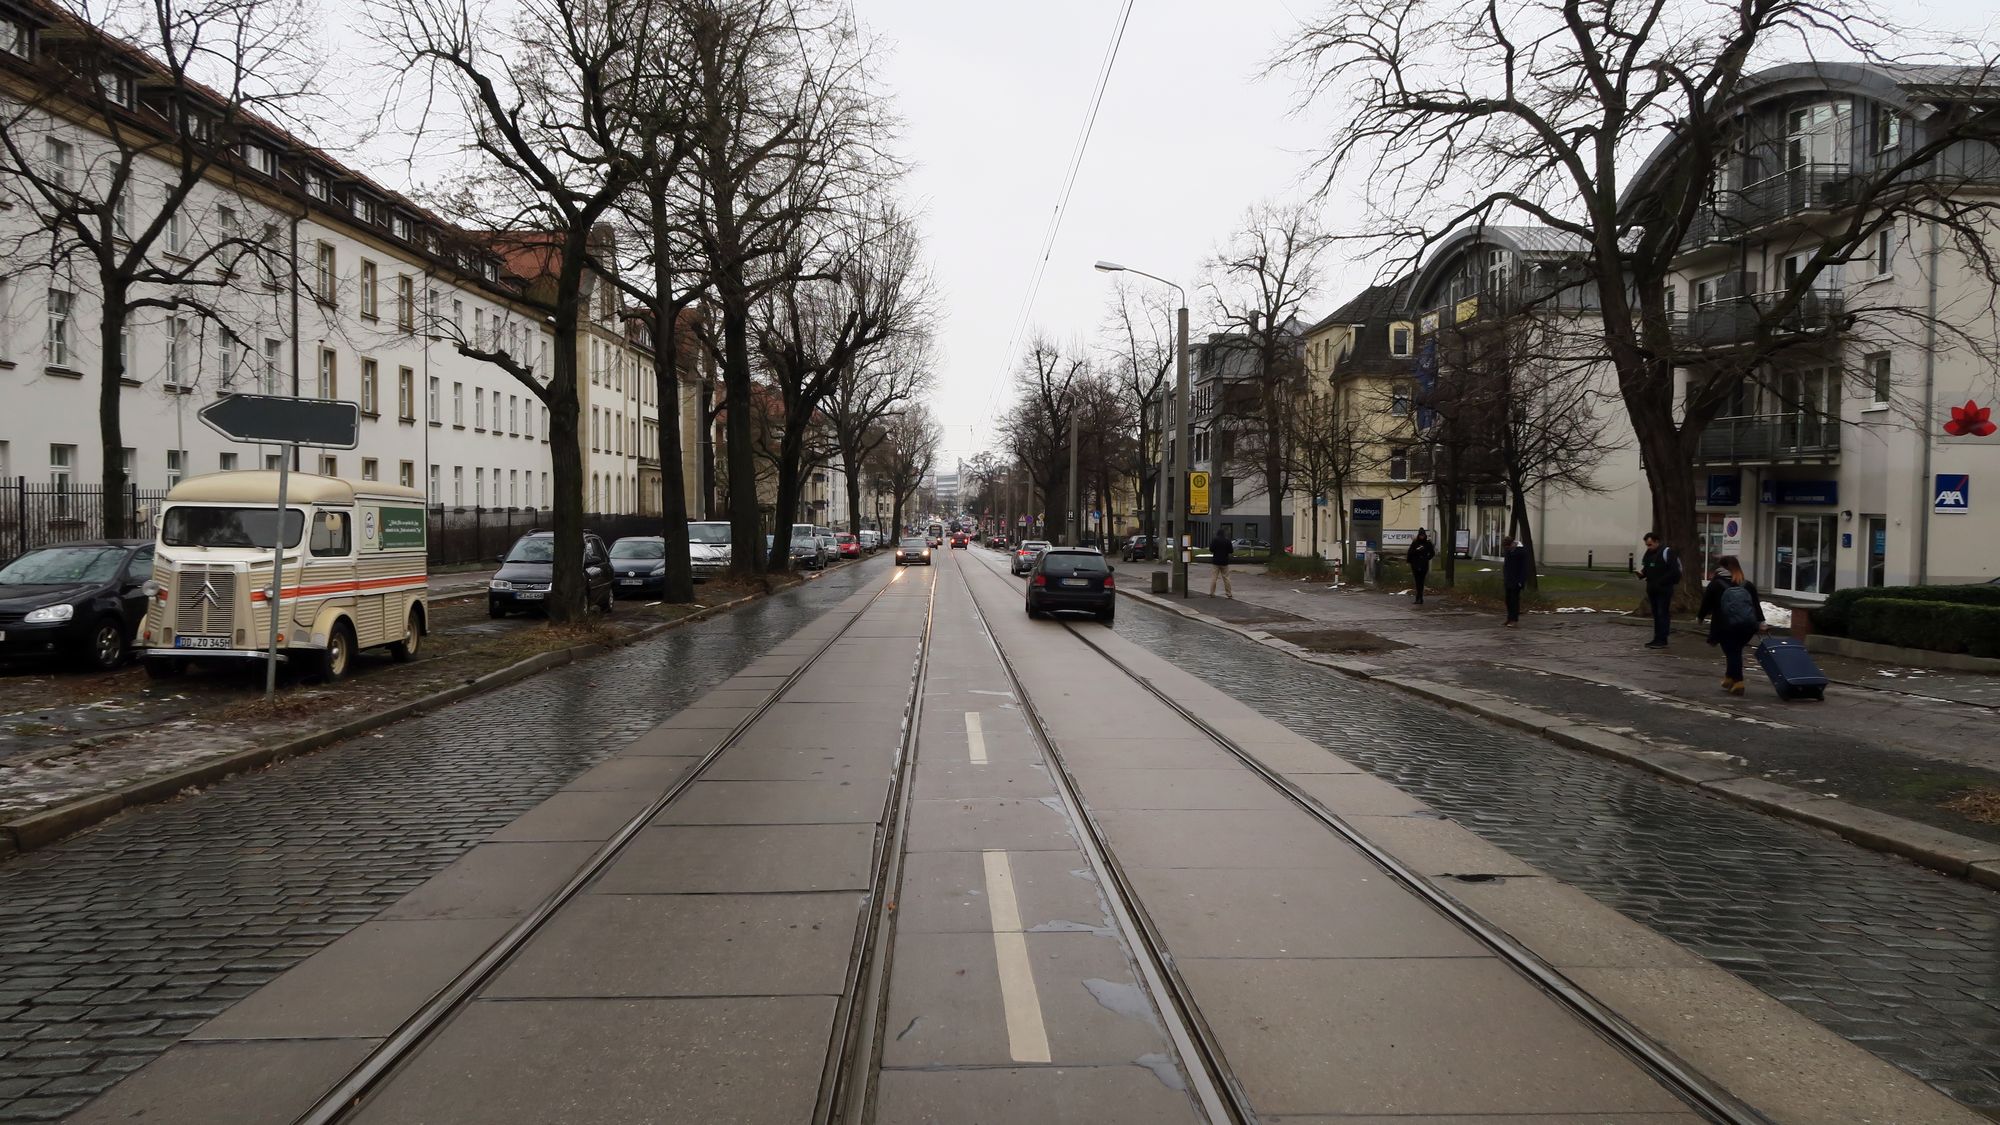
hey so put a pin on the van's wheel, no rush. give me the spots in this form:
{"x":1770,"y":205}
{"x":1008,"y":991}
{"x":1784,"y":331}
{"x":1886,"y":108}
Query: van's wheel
{"x":405,"y":650}
{"x":106,"y":652}
{"x":164,"y":667}
{"x":337,"y":656}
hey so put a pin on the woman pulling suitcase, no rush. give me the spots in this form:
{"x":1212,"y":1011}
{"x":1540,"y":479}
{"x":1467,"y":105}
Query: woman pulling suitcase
{"x":1735,"y":615}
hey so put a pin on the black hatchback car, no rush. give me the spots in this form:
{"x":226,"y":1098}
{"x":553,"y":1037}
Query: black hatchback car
{"x":522,"y":582}
{"x":1072,"y":578}
{"x":84,"y":601}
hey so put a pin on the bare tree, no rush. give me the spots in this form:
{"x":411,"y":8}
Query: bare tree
{"x":1037,"y":427}
{"x":1325,"y":446}
{"x":138,"y":113}
{"x":906,"y":459}
{"x":1459,"y":115}
{"x":1265,"y":274}
{"x":1139,"y":352}
{"x":868,"y":392}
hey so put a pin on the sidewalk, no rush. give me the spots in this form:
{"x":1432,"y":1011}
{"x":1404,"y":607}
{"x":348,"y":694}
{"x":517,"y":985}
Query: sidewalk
{"x":1903,"y":741}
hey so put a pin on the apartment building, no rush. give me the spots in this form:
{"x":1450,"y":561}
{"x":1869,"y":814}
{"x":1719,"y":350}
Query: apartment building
{"x":353,"y":292}
{"x":1225,"y":390}
{"x":1833,"y":466}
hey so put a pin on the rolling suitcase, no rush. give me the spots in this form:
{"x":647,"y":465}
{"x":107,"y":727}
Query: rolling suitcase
{"x":1791,"y":669}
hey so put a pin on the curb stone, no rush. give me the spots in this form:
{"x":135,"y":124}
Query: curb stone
{"x":44,"y":827}
{"x":1949,"y":853}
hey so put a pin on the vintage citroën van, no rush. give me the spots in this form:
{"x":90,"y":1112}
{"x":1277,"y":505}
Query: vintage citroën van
{"x":355,"y":572}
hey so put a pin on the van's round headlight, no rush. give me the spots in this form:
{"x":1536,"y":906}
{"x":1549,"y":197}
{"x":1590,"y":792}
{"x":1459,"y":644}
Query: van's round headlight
{"x":151,"y":588}
{"x":50,"y":613}
{"x":499,"y":584}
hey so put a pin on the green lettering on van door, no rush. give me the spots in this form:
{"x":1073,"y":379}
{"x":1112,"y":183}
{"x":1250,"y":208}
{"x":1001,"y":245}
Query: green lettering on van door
{"x":402,"y":529}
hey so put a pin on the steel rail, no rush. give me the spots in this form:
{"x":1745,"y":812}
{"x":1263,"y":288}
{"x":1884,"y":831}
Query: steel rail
{"x":410,"y":1037}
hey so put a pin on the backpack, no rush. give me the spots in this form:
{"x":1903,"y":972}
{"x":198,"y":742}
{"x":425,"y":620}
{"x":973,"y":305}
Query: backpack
{"x":1738,"y":610}
{"x":1673,"y":564}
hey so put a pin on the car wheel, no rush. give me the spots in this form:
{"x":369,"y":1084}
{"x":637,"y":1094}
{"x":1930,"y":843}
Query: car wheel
{"x":164,"y":667}
{"x":106,"y":651}
{"x":495,"y":609}
{"x":332,"y":662}
{"x":1108,"y":616}
{"x":405,"y":650}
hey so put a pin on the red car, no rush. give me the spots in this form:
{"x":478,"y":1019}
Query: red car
{"x":849,"y":546}
{"x":960,"y":539}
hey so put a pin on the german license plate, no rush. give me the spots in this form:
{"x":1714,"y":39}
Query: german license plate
{"x":201,"y":642}
{"x":631,"y":581}
{"x":530,"y":595}
{"x":1076,"y":581}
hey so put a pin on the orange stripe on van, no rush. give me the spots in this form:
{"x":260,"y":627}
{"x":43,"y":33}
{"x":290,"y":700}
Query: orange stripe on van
{"x":349,"y":587}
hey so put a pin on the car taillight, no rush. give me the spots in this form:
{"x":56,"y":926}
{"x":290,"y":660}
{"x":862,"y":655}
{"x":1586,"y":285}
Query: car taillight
{"x":1041,"y":579}
{"x":1109,"y":583}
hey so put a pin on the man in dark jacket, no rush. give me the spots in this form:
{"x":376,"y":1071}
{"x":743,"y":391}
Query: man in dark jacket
{"x":1420,"y":554}
{"x":1219,"y":550}
{"x":1514,"y":563}
{"x":1661,"y":568}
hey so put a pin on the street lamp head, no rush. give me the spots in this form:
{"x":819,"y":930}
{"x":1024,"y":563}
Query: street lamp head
{"x":1110,"y":267}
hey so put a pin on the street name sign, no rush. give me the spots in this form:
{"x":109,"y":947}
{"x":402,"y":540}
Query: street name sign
{"x":281,"y":420}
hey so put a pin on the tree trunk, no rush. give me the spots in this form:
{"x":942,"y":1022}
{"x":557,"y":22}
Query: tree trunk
{"x":745,"y":557}
{"x":850,"y":466}
{"x":1674,"y":503}
{"x":707,"y":453}
{"x":1523,"y":533}
{"x":673,"y":478}
{"x":790,"y":484}
{"x":567,"y":595}
{"x":110,"y":425}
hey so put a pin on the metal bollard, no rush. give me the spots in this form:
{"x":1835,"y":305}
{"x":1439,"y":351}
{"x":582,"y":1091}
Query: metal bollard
{"x":1590,"y":560}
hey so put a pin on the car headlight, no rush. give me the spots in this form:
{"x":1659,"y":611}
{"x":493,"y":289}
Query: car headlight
{"x":50,"y":613}
{"x":500,"y":584}
{"x":661,"y":568}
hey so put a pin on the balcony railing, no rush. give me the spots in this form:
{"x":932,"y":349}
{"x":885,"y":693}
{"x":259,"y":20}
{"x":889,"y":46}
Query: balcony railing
{"x":1735,"y":321}
{"x":1794,"y":191}
{"x":1796,"y":436}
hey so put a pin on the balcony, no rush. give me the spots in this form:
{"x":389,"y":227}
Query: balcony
{"x":1731,"y":322}
{"x":1771,"y":438}
{"x":1809,"y":188}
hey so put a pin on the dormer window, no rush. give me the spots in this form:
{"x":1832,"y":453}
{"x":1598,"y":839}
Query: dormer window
{"x":404,"y":229}
{"x":119,"y":89}
{"x":262,"y":158}
{"x":317,"y":186}
{"x":1399,"y":339}
{"x":1886,"y":128}
{"x":14,"y":39}
{"x":491,"y":269}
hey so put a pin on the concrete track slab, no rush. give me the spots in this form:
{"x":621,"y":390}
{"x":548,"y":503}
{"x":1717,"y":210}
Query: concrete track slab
{"x":675,"y":742}
{"x":1490,"y":1119}
{"x":709,"y":718}
{"x":732,"y":697}
{"x":1297,"y":756}
{"x":855,"y":763}
{"x":1054,"y":1095}
{"x":973,"y":824}
{"x":742,"y":859}
{"x":858,"y":801}
{"x":846,"y":718}
{"x":1184,"y":752}
{"x":1141,"y":788}
{"x":945,"y":892}
{"x":1349,"y":794}
{"x":648,"y":773}
{"x":1437,"y":847}
{"x":588,"y":815}
{"x":363,"y":985}
{"x":204,"y":1083}
{"x":1410,"y":1036}
{"x":945,"y":1006}
{"x":494,"y":881}
{"x":1218,"y":838}
{"x":748,"y":1061}
{"x":687,"y":945}
{"x":942,"y":778}
{"x":1294,"y":912}
{"x":1569,"y":929}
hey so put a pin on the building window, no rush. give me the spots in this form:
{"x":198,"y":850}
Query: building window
{"x":232,"y":357}
{"x":458,"y":405}
{"x":369,"y":375}
{"x":401,"y":225}
{"x":329,"y":375}
{"x":1885,"y":251}
{"x":1399,"y":463}
{"x":1879,"y":379}
{"x":406,"y":303}
{"x":228,"y":462}
{"x":1887,"y":128}
{"x":370,"y":309}
{"x":513,"y":415}
{"x":528,"y":419}
{"x":369,"y":469}
{"x":261,"y":157}
{"x":479,"y":328}
{"x":545,"y":490}
{"x":1399,"y":339}
{"x":272,"y":461}
{"x":323,"y":275}
{"x":176,"y":465}
{"x":61,"y":157}
{"x":1399,"y":404}
{"x":406,"y":394}
{"x":274,"y":351}
{"x":478,"y":408}
{"x":58,"y":342}
{"x":431,"y":313}
{"x":458,"y":486}
{"x":329,"y":465}
{"x":177,"y":234}
{"x":458,"y":318}
{"x":513,"y":488}
{"x":406,"y":474}
{"x":178,"y":370}
{"x":434,"y":484}
{"x":316,"y":185}
{"x":117,"y":88}
{"x":594,"y":430}
{"x":62,"y":463}
{"x":14,"y":38}
{"x":479,"y":488}
{"x":431,"y":399}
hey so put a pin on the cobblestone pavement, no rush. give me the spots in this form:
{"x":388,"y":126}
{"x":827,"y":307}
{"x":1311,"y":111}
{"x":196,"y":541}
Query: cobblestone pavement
{"x":1902,"y":961}
{"x":116,"y":943}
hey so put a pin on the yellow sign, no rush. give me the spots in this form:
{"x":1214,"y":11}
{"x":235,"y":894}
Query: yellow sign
{"x":1197,"y":494}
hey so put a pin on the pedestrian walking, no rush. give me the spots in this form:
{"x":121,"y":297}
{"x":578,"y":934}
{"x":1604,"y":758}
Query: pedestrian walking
{"x":1219,"y":550}
{"x":1661,"y":568}
{"x":1735,"y":615}
{"x":1514,"y":563}
{"x":1422,"y":550}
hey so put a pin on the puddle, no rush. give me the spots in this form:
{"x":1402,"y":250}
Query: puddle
{"x":1163,"y":1068}
{"x":1127,"y":1000}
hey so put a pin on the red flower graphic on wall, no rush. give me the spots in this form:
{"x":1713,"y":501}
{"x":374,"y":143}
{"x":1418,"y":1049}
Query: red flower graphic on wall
{"x":1971,"y":420}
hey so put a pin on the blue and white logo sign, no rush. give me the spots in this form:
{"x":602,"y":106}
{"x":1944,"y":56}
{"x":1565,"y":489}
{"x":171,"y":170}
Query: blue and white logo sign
{"x":1954,"y":493}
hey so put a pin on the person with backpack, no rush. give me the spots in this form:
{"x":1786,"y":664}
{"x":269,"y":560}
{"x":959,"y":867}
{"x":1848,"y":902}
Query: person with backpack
{"x":1661,"y":568}
{"x":1219,"y":550}
{"x":1514,"y":566}
{"x":1420,"y":554}
{"x":1735,"y":615}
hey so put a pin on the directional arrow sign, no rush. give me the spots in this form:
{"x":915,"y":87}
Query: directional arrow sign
{"x":275,"y":419}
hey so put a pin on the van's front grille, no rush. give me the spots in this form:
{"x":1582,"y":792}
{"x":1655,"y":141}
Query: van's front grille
{"x":205,"y":601}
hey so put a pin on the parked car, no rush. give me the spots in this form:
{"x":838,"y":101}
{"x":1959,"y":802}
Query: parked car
{"x":806,"y":551}
{"x":79,"y":601}
{"x":913,"y":550}
{"x":1026,"y":554}
{"x":639,"y":565}
{"x":960,"y":541}
{"x":709,"y":545}
{"x":526,"y":571}
{"x":998,"y":542}
{"x":829,"y":546}
{"x":871,"y":539}
{"x":1072,"y":578}
{"x":1140,"y":547}
{"x":850,"y":546}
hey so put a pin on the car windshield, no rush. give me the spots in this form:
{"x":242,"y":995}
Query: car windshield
{"x":230,"y":527}
{"x":845,"y":537}
{"x":709,"y":533}
{"x":1063,"y":564}
{"x":1034,"y":545}
{"x":803,"y":531}
{"x":639,"y":549}
{"x":53,"y":565}
{"x":915,"y":543}
{"x":533,"y":549}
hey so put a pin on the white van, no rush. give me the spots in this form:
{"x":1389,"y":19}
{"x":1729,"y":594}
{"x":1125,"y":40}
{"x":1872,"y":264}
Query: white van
{"x":356,"y":572}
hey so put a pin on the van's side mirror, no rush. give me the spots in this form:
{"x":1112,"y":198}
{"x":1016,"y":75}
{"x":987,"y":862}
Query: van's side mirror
{"x":499,"y":558}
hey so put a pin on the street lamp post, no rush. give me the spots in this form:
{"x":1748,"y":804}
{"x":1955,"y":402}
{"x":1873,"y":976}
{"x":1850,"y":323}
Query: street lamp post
{"x":1178,"y":458}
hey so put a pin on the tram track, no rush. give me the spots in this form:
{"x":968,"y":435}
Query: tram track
{"x":1223,"y":1099}
{"x":352,"y":1093}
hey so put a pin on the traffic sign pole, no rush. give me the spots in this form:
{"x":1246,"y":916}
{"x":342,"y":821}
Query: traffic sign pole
{"x":277,"y":598}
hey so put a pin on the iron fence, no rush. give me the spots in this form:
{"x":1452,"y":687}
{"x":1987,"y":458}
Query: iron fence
{"x":460,"y":536}
{"x":36,"y":513}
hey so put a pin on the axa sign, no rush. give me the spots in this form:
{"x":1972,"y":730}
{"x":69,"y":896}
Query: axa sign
{"x":1953,"y":493}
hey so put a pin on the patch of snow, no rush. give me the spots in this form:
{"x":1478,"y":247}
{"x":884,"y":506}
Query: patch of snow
{"x":1574,"y":609}
{"x":1885,"y":672}
{"x":1485,"y":570}
{"x":1404,"y":593}
{"x":1777,"y":617}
